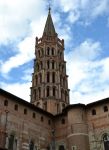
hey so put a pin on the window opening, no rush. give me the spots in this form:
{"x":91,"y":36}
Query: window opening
{"x":25,"y":111}
{"x":93,"y":112}
{"x":16,"y":107}
{"x":105,"y":108}
{"x":6,"y":103}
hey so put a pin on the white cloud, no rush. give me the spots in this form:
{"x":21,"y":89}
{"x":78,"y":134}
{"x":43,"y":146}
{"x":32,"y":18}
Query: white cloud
{"x":88,"y":78}
{"x":87,"y":10}
{"x":15,"y":17}
{"x":25,"y":54}
{"x":21,"y":90}
{"x":100,"y":8}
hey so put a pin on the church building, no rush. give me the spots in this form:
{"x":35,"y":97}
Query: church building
{"x":49,"y":121}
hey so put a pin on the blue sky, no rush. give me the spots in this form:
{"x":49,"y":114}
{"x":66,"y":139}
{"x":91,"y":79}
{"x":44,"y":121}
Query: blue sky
{"x":83,"y":24}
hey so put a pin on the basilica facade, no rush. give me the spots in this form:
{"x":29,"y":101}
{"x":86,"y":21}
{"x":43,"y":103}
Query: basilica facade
{"x":49,"y":121}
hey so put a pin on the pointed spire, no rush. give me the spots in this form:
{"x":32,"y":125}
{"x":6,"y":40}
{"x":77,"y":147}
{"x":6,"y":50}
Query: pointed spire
{"x":49,"y":29}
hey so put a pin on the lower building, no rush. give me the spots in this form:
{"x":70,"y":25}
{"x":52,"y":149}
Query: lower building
{"x":24,"y":126}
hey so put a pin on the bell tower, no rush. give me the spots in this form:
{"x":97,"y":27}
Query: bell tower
{"x":49,"y":89}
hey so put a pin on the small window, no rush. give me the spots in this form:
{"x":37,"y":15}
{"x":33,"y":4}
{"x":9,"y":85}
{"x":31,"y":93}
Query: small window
{"x":93,"y":112}
{"x":6,"y":103}
{"x":34,"y":115}
{"x":63,"y":121}
{"x":25,"y":111}
{"x":49,"y":122}
{"x":42,"y":119}
{"x":105,"y":108}
{"x":16,"y":107}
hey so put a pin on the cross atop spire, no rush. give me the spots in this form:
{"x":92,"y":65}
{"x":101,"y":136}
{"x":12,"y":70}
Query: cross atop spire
{"x":49,"y":8}
{"x":49,"y":29}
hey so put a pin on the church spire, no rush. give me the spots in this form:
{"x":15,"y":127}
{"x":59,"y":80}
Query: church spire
{"x":49,"y":29}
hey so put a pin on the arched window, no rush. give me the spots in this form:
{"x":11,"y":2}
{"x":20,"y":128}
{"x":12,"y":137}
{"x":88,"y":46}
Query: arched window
{"x":53,"y":77}
{"x":93,"y":112}
{"x":48,"y":91}
{"x":31,"y":145}
{"x":34,"y":115}
{"x":52,"y":51}
{"x":106,"y":141}
{"x":48,"y":64}
{"x":11,"y":142}
{"x":54,"y":91}
{"x":42,"y":118}
{"x":53,"y":64}
{"x":25,"y":111}
{"x":105,"y":108}
{"x":34,"y":94}
{"x":16,"y":107}
{"x":6,"y":103}
{"x":48,"y":51}
{"x":48,"y":77}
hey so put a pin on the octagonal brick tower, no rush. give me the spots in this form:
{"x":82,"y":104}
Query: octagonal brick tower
{"x":49,"y":89}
